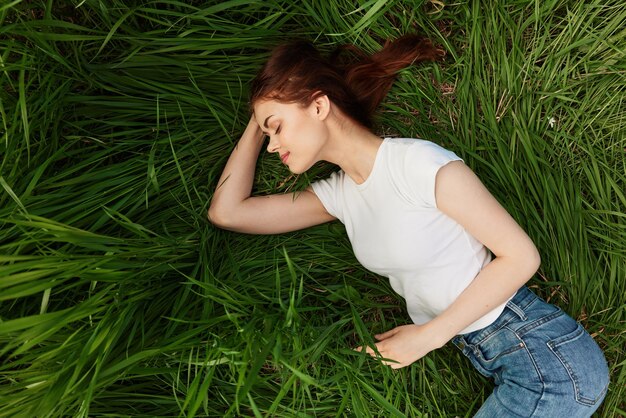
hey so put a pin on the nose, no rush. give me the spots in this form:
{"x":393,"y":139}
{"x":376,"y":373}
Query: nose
{"x":273,"y":145}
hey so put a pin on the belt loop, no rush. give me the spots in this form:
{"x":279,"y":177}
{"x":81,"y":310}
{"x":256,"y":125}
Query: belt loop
{"x":516,"y":309}
{"x":460,"y":342}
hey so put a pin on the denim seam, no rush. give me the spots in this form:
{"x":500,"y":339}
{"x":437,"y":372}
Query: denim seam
{"x":510,"y":350}
{"x":537,"y":370}
{"x":470,"y":352}
{"x":540,"y":321}
{"x":489,"y":335}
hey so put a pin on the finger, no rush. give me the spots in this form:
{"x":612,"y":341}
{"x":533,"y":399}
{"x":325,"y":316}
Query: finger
{"x":387,"y":334}
{"x":393,"y":364}
{"x":370,"y":351}
{"x":367,"y":349}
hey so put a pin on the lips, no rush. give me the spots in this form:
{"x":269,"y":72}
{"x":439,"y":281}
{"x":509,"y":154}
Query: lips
{"x":284,"y":157}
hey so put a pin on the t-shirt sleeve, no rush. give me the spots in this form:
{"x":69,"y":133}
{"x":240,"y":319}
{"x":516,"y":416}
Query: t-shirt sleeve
{"x":328,"y":192}
{"x":422,"y":162}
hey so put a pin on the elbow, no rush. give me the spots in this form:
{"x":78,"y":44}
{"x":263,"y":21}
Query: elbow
{"x":523,"y":262}
{"x":531,"y":261}
{"x":218,"y":216}
{"x":224,"y":217}
{"x":535,"y":260}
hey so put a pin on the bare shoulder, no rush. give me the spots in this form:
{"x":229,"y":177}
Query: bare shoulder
{"x":461,"y":195}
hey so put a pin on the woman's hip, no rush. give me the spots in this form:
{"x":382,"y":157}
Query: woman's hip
{"x":540,"y":358}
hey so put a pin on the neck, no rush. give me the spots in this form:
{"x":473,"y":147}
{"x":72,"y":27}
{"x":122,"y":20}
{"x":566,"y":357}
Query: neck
{"x":351,"y":147}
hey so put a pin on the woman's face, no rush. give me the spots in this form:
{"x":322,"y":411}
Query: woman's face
{"x":296,"y":133}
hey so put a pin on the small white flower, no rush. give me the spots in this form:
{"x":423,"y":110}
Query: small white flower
{"x":551,"y":122}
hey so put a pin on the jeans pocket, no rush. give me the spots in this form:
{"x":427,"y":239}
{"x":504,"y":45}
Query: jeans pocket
{"x":499,"y":344}
{"x":585,"y":364}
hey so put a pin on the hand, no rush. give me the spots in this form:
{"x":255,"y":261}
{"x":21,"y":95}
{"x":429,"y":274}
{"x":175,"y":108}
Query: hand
{"x":402,"y":345}
{"x":254,"y":128}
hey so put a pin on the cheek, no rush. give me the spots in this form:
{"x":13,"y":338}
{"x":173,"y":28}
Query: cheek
{"x":312,"y":134}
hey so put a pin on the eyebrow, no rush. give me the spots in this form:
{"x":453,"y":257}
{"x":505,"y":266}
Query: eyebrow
{"x":265,"y":122}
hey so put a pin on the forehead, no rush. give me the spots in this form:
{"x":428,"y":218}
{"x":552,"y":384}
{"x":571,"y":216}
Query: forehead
{"x":266,"y":108}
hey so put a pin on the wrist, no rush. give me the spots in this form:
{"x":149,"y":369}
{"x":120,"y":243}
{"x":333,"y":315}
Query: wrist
{"x":252,"y":136}
{"x":437,"y":335}
{"x":253,"y":129}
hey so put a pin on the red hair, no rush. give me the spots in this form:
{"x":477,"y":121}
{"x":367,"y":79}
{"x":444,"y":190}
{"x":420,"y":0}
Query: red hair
{"x":297,"y":73}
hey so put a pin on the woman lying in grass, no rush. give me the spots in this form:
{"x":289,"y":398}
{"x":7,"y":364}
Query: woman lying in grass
{"x":415,"y":213}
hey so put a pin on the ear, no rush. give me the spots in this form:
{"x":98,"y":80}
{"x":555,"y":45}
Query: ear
{"x":321,"y":107}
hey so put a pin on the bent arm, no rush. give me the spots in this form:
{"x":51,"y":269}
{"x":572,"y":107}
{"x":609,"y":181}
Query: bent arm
{"x":462,"y":196}
{"x":233,"y":208}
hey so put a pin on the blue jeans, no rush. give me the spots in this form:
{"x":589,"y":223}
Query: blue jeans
{"x":543,"y":362}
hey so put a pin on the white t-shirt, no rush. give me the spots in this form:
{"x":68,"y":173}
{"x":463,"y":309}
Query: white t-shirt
{"x":397,"y":231}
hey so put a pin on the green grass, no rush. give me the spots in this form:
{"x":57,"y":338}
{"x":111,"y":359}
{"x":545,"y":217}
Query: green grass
{"x":118,"y":298}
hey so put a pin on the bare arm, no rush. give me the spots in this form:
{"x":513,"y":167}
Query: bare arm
{"x":233,"y":207}
{"x":462,"y":196}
